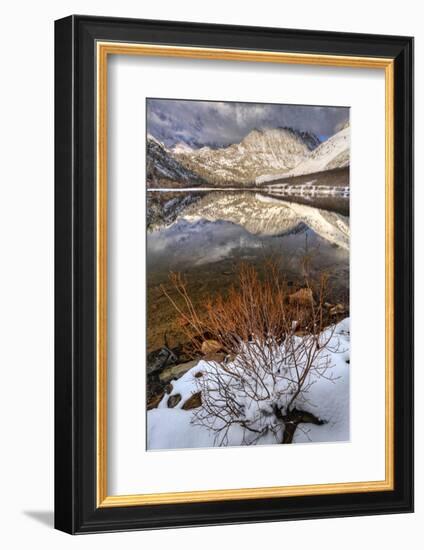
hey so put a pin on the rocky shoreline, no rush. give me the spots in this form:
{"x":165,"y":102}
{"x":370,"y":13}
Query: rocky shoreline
{"x":168,"y":364}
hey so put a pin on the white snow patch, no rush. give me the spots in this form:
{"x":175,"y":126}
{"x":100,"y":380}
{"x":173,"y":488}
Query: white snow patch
{"x":327,"y":399}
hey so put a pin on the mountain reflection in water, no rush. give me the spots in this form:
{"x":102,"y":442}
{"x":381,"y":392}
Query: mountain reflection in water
{"x":205,"y":235}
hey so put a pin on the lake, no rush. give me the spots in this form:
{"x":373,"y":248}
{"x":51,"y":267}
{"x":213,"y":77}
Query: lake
{"x":206,"y":234}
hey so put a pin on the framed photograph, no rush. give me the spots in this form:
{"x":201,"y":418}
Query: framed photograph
{"x":234,"y":256}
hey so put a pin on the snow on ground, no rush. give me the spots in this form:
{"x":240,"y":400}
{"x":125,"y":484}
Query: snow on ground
{"x":172,"y":429}
{"x":327,"y":399}
{"x":185,"y":386}
{"x":330,"y":400}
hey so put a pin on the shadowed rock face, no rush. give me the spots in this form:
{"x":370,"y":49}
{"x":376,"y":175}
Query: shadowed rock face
{"x":162,"y":166}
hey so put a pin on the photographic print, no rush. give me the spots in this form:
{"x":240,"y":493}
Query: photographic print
{"x":248,"y":334}
{"x":205,"y":274}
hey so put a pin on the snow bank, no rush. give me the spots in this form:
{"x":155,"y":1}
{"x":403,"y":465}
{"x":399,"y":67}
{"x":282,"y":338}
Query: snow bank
{"x":185,"y":386}
{"x":330,"y":400}
{"x":327,"y":398}
{"x":172,"y":429}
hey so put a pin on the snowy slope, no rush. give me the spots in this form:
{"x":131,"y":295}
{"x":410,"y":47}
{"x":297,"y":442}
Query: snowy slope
{"x":261,"y":151}
{"x":333,"y":153}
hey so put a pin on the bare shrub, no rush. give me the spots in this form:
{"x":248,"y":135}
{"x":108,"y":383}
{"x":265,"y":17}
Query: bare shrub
{"x":277,"y":344}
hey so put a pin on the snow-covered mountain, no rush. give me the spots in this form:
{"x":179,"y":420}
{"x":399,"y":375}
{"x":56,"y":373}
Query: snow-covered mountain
{"x":332,"y":153}
{"x":263,"y":215}
{"x":162,"y":166}
{"x":267,"y":151}
{"x":181,"y":148}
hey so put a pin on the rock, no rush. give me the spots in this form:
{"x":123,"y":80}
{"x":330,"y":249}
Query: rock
{"x":211,"y":346}
{"x":168,"y":388}
{"x":176,"y":371}
{"x":158,"y":359}
{"x":337,"y":309}
{"x":154,"y":386}
{"x":198,"y":374}
{"x":302,"y":297}
{"x":173,"y":400}
{"x":154,"y":401}
{"x":193,"y":402}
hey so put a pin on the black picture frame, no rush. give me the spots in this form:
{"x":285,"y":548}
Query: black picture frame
{"x":76,"y":508}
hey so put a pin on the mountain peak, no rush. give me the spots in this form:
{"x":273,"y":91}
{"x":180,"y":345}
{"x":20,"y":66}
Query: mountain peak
{"x":162,"y":166}
{"x":282,"y":133}
{"x":152,"y":139}
{"x":181,"y":147}
{"x":330,"y":154}
{"x":262,"y":150}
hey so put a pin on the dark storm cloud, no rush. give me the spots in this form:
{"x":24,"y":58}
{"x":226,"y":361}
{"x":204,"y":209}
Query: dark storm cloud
{"x":221,"y":123}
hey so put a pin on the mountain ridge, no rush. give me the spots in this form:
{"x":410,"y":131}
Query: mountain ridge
{"x":162,"y":167}
{"x":269,"y":150}
{"x":262,"y":156}
{"x":330,"y":154}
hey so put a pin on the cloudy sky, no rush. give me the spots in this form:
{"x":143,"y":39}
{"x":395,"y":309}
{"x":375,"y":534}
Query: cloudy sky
{"x":199,"y":123}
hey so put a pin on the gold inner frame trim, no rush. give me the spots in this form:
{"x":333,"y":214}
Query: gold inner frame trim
{"x":103,"y":50}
